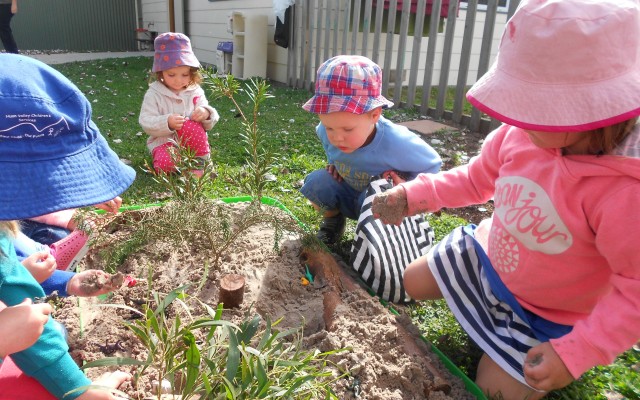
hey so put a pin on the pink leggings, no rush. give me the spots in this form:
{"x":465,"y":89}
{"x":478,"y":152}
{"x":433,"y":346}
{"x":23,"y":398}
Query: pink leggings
{"x":192,"y":136}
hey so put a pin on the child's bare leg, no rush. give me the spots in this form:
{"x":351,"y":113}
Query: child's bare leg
{"x":494,"y":381}
{"x":419,"y":282}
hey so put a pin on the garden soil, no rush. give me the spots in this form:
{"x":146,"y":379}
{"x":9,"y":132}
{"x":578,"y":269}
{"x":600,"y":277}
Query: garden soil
{"x":387,"y":359}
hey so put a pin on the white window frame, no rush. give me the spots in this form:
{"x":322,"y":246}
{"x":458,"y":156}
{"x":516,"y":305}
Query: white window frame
{"x":504,"y":9}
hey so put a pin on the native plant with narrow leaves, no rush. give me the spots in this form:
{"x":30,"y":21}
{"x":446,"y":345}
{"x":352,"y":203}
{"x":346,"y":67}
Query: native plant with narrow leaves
{"x":260,"y":161}
{"x":211,"y":358}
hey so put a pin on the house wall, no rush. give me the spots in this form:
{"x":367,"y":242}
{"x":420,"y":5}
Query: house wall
{"x":155,"y":15}
{"x":207,"y":23}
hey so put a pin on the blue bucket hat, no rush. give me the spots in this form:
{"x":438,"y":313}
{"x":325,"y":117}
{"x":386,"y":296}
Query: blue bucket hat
{"x":52,"y":156}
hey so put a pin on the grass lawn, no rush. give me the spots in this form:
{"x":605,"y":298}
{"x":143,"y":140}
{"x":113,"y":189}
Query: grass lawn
{"x":116,"y":87}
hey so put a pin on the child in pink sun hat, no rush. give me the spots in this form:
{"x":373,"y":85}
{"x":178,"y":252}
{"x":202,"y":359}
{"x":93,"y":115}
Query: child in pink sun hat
{"x":358,"y":141}
{"x":175,"y":110}
{"x":549,"y":287}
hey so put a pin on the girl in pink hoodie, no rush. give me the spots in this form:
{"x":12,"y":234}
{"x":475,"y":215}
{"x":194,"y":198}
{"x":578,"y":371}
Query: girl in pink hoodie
{"x":550,"y":285}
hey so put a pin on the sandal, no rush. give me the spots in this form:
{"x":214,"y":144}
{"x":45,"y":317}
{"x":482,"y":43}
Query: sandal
{"x":69,"y":251}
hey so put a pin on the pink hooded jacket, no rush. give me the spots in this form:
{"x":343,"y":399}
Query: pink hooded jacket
{"x":563,"y":235}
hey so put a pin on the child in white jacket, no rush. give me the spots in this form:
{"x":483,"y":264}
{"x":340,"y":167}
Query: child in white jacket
{"x":175,"y":109}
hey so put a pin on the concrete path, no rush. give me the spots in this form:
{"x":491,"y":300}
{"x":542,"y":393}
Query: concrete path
{"x":426,"y":126}
{"x":61,"y":58}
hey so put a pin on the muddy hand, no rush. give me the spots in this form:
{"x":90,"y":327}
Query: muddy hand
{"x":109,"y":380}
{"x":94,"y":283}
{"x":544,"y":370}
{"x":391,"y":206}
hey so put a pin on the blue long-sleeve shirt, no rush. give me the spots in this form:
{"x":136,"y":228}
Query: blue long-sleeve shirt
{"x":394,"y":147}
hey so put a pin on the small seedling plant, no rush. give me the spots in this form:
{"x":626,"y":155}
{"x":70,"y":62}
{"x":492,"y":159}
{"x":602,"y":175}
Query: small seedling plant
{"x":260,"y":161}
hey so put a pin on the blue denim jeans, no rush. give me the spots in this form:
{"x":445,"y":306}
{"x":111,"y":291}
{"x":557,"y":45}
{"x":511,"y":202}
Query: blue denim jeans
{"x":43,"y":233}
{"x":327,"y":193}
{"x":25,"y":246}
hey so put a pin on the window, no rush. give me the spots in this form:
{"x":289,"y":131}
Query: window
{"x":503,"y":5}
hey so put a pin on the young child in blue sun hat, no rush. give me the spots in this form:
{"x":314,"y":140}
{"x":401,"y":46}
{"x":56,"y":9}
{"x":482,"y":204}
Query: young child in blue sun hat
{"x":53,"y":158}
{"x":358,"y":141}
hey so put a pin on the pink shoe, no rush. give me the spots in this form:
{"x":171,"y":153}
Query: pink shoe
{"x":69,"y":251}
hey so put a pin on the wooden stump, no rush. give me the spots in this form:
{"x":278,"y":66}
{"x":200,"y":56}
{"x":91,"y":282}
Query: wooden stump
{"x":231,"y":290}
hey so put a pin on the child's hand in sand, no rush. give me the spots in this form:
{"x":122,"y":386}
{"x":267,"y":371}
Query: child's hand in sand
{"x":109,"y":380}
{"x":391,"y":206}
{"x":93,"y":282}
{"x":41,"y":265}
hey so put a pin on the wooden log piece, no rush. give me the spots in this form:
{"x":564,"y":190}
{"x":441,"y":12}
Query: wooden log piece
{"x":231,"y":290}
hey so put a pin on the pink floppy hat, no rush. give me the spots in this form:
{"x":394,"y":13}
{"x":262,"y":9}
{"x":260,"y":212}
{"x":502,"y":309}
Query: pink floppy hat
{"x":173,"y":50}
{"x":347,"y":83}
{"x":565,"y":66}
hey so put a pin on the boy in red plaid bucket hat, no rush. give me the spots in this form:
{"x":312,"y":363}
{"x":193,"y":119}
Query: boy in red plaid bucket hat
{"x":175,"y":109}
{"x":358,"y":141}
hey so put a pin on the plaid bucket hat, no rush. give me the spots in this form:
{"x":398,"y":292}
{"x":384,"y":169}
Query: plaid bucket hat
{"x":347,"y":83}
{"x":173,"y":50}
{"x":565,"y":65}
{"x":52,"y":156}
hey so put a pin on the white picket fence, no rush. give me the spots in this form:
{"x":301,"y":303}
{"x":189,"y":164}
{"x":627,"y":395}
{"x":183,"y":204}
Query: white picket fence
{"x":385,"y":32}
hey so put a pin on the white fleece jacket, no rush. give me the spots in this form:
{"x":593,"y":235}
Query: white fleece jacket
{"x":160,"y":102}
